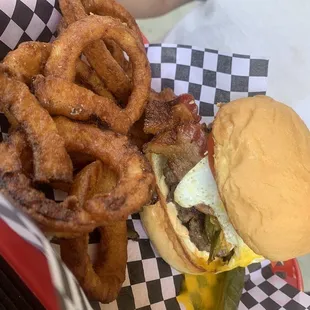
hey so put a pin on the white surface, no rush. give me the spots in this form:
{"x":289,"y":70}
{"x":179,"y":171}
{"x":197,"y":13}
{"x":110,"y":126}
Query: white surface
{"x":302,"y":107}
{"x":304,"y":264}
{"x":155,"y":29}
{"x":276,"y":29}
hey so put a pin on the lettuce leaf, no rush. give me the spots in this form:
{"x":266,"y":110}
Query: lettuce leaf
{"x":230,"y":289}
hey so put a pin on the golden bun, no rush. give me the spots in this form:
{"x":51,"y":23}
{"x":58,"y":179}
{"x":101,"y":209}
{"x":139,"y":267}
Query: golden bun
{"x":171,"y":248}
{"x":262,"y":163}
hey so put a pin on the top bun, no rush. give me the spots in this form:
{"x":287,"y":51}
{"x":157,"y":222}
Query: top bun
{"x":262,"y":163}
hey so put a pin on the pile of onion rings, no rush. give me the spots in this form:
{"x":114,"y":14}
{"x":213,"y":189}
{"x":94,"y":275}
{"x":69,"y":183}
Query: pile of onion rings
{"x":103,"y":280}
{"x":81,"y":111}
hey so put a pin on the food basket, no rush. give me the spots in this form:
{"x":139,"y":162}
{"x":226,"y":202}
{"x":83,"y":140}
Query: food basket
{"x":290,"y":272}
{"x":150,"y":282}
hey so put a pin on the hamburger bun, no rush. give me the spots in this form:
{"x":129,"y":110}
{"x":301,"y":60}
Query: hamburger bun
{"x":262,"y":164}
{"x":259,"y":194}
{"x":171,"y":239}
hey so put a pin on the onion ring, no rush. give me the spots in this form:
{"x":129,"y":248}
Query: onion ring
{"x":60,"y":97}
{"x":98,"y":55}
{"x":29,"y":59}
{"x":49,"y":215}
{"x":136,"y":181}
{"x":66,"y":50}
{"x":51,"y":160}
{"x":88,"y":77}
{"x":119,"y":56}
{"x":11,"y":150}
{"x":113,"y":9}
{"x":113,"y":48}
{"x":133,"y":190}
{"x":102,"y":281}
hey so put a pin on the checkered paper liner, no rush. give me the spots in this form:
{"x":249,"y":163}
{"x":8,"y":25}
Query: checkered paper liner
{"x":27,"y":20}
{"x":211,"y":77}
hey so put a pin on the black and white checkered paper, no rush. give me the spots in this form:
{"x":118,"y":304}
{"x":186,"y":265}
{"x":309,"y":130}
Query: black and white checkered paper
{"x":208,"y":75}
{"x":211,"y":77}
{"x":26,"y":20}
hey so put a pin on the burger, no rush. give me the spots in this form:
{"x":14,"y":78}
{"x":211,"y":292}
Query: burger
{"x":233,"y":193}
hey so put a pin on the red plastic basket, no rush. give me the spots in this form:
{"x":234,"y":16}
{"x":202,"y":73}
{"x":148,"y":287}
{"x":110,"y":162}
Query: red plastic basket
{"x":290,"y":271}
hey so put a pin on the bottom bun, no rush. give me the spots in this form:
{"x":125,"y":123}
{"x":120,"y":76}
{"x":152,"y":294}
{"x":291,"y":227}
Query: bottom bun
{"x":173,"y":247}
{"x":171,"y":238}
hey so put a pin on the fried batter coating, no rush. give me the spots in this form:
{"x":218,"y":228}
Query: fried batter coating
{"x":136,"y":181}
{"x":103,"y":280}
{"x":49,"y":215}
{"x":29,"y":60}
{"x":114,"y":9}
{"x":51,"y":160}
{"x":89,"y":78}
{"x":62,"y":62}
{"x":11,"y":150}
{"x":98,"y":55}
{"x":119,"y":56}
{"x":60,"y":97}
